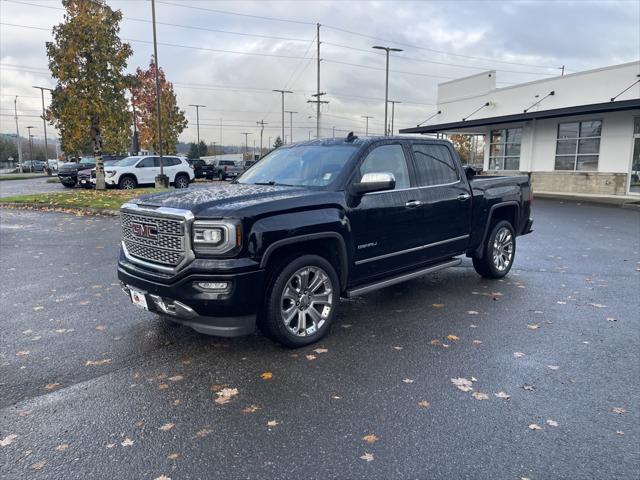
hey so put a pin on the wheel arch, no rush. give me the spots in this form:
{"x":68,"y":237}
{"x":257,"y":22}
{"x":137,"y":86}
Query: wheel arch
{"x":509,"y":211}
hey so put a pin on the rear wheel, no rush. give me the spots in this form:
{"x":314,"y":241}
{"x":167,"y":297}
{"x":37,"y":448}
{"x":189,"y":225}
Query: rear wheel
{"x":127,"y":183}
{"x":68,"y":184}
{"x":498,"y":252}
{"x":181,"y":181}
{"x":301,"y":301}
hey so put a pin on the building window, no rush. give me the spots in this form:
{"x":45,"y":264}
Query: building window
{"x":504,"y":152}
{"x":578,"y":145}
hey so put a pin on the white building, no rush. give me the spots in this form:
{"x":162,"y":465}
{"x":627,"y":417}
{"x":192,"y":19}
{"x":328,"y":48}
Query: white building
{"x":577,"y":133}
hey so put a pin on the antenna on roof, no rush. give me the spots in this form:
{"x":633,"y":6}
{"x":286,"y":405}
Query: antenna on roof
{"x":351,"y":137}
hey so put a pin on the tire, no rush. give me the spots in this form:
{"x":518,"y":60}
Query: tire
{"x":127,"y":182}
{"x":288,"y":315}
{"x":181,"y":181}
{"x":499,"y":251}
{"x":68,"y":184}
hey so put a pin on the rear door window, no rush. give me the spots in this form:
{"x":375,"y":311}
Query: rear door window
{"x":434,"y":165}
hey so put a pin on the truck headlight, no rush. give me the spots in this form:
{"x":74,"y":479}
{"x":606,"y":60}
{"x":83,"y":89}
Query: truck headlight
{"x":216,"y":237}
{"x":109,"y":173}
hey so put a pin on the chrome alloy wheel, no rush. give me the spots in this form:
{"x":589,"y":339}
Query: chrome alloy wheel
{"x":307,"y":301}
{"x":502,"y":249}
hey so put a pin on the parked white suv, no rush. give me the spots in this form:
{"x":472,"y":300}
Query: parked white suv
{"x":143,"y":169}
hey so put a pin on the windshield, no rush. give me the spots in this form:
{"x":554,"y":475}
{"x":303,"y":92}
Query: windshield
{"x":87,"y":160}
{"x":127,"y":162}
{"x":304,"y":165}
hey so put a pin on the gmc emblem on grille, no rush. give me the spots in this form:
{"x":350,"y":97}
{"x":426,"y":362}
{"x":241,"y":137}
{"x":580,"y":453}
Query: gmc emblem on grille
{"x":144,"y":230}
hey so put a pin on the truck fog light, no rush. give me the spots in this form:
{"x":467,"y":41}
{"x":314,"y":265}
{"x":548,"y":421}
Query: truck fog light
{"x":213,"y":286}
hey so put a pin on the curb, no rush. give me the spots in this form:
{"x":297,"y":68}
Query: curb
{"x":48,"y":208}
{"x":613,"y":200}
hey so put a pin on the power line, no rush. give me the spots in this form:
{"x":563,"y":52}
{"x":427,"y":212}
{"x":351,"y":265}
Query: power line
{"x":382,"y":69}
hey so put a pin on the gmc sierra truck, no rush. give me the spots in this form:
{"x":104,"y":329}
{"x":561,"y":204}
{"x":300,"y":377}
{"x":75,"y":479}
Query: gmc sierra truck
{"x":310,"y":223}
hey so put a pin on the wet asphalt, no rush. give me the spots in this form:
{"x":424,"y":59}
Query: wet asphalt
{"x":9,"y":188}
{"x":91,"y":387}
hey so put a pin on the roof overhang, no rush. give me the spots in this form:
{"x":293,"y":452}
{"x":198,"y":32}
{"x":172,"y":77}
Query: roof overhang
{"x":593,"y":108}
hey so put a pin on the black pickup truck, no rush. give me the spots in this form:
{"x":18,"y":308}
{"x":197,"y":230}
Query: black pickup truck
{"x":313,"y":222}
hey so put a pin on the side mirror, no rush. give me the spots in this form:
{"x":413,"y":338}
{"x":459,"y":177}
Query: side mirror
{"x":470,"y":172}
{"x":373,"y":182}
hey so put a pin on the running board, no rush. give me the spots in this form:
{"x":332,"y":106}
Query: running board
{"x":401,"y":278}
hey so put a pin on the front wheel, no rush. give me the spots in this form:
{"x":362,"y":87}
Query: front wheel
{"x":301,"y":301}
{"x":181,"y":181}
{"x":498,"y":251}
{"x":127,"y":183}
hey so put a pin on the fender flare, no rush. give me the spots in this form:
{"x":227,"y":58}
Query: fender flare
{"x":342,"y":250}
{"x":480,"y":248}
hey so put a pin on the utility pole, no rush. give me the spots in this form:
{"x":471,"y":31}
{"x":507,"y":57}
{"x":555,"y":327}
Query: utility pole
{"x":198,"y":107}
{"x":334,"y":132}
{"x":290,"y":125}
{"x":161,"y":180}
{"x":318,"y":89}
{"x":317,"y":101}
{"x":367,"y":117}
{"x":283,"y":92}
{"x":246,"y":144}
{"x":262,"y":124}
{"x":393,"y":111}
{"x":214,"y":148}
{"x":30,"y":142}
{"x":15,"y":112}
{"x":386,"y":85}
{"x":44,"y":124}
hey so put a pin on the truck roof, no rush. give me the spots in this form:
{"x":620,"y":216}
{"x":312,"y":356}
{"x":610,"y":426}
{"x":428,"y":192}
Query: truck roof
{"x":361,"y":141}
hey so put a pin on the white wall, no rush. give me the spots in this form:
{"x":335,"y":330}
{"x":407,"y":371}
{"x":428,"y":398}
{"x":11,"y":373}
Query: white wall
{"x":457,"y":99}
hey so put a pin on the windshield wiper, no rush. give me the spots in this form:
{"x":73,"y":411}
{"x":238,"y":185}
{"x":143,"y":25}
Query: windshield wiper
{"x":270,"y":182}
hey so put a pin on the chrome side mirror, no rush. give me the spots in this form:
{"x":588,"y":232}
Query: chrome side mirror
{"x":373,"y":182}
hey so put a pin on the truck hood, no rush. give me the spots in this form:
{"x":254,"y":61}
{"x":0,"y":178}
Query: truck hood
{"x":236,"y":200}
{"x":72,"y":166}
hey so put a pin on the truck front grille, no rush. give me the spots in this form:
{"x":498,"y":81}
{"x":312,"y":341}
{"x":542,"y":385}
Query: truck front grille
{"x":154,"y":239}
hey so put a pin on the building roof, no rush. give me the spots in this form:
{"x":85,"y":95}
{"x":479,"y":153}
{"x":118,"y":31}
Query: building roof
{"x":521,"y":117}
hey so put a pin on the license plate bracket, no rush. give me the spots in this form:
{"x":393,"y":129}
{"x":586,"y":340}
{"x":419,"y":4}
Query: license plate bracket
{"x":139,"y":299}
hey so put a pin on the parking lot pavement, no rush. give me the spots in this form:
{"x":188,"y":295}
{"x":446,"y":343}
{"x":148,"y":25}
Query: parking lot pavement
{"x":9,"y":188}
{"x":93,"y":388}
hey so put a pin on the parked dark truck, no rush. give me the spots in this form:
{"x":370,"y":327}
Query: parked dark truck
{"x":313,"y":222}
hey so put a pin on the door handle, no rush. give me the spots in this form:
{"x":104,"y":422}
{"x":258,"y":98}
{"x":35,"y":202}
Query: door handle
{"x":413,"y":203}
{"x":464,"y":197}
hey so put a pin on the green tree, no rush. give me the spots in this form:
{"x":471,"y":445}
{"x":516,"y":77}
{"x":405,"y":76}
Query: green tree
{"x":193,"y":151}
{"x":88,"y":59}
{"x":202,"y":149}
{"x":8,"y":149}
{"x":173,"y":120}
{"x":278,"y":142}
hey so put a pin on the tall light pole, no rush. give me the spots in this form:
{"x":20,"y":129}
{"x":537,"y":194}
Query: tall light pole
{"x":393,"y":112}
{"x":367,"y":117}
{"x":283,"y":92}
{"x":246,"y":143}
{"x":30,"y":143}
{"x":161,"y":180}
{"x":386,"y":85}
{"x":290,"y":125}
{"x":198,"y":107}
{"x":44,"y":124}
{"x":15,"y":112}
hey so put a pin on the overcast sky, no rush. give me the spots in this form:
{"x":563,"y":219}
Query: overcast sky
{"x":522,"y":40}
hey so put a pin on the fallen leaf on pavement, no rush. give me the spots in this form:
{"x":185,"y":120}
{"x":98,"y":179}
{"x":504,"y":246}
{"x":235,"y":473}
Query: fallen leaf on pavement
{"x":397,"y":348}
{"x":250,"y":409}
{"x":8,"y":440}
{"x":618,"y":410}
{"x":62,"y":447}
{"x":598,"y":305}
{"x":163,"y":386}
{"x":266,"y":376}
{"x":530,"y":388}
{"x":611,"y":319}
{"x":173,"y":456}
{"x":477,"y":342}
{"x":38,"y":308}
{"x":472,"y":312}
{"x":368,"y":457}
{"x":101,"y":328}
{"x":225,"y":394}
{"x":162,"y":477}
{"x":39,"y":465}
{"x":462,"y":384}
{"x":553,"y":367}
{"x":533,"y":326}
{"x":452,"y":337}
{"x":167,"y":426}
{"x":272,"y":423}
{"x":424,"y":404}
{"x":435,"y":341}
{"x":371,"y":438}
{"x":518,"y":354}
{"x":127,"y":442}
{"x":535,"y":426}
{"x":110,"y":445}
{"x":321,"y":350}
{"x":619,"y":433}
{"x":551,"y":423}
{"x":176,"y":378}
{"x":503,"y":395}
{"x":480,"y":396}
{"x":310,"y":357}
{"x":94,"y":363}
{"x":438,"y":305}
{"x":408,"y":380}
{"x":51,"y":386}
{"x":22,"y":353}
{"x":203,"y":433}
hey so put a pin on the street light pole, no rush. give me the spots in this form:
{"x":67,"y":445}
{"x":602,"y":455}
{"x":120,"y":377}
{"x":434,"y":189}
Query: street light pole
{"x":44,"y":124}
{"x":386,"y":85}
{"x":161,"y":180}
{"x":246,"y":143}
{"x":283,"y":92}
{"x":262,"y":124}
{"x":367,"y":117}
{"x":198,"y":107}
{"x":15,"y":112}
{"x":290,"y":125}
{"x":393,"y":111}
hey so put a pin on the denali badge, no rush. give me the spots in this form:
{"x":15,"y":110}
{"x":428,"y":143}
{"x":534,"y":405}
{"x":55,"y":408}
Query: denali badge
{"x":144,"y":230}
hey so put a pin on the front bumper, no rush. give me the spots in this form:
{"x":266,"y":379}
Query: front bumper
{"x":227,"y":313}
